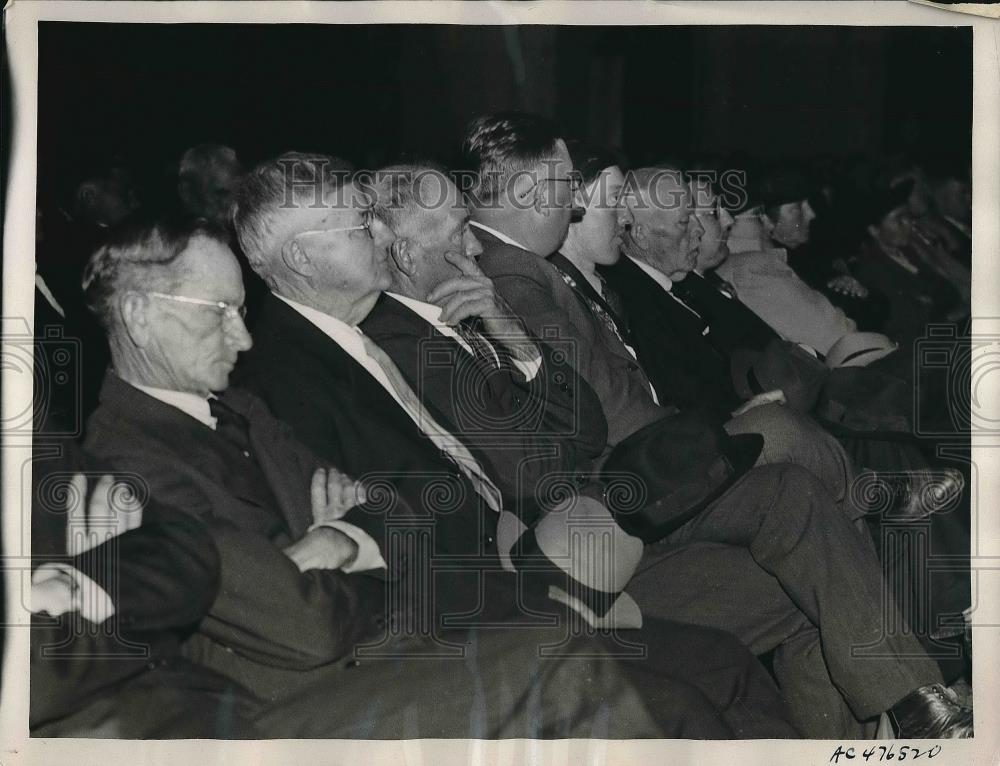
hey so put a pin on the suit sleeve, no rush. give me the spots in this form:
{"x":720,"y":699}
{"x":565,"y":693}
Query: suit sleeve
{"x":533,"y":302}
{"x":288,"y":619}
{"x":265,"y":609}
{"x":162,"y":575}
{"x":516,"y":448}
{"x":367,"y":528}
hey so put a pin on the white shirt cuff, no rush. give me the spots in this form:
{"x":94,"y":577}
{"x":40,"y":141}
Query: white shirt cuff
{"x":528,"y":369}
{"x":369,"y":556}
{"x":88,"y":598}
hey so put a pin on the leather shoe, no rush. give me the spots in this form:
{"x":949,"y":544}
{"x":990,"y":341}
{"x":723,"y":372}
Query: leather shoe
{"x":918,"y":494}
{"x":931,"y":712}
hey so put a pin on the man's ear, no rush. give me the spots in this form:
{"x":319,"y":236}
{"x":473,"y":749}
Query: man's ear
{"x":402,"y":255}
{"x":297,"y":259}
{"x":538,"y":200}
{"x":638,"y":234}
{"x":134,"y":310}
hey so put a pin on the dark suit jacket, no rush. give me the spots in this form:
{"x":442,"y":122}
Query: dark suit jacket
{"x":341,"y":412}
{"x":734,"y":325}
{"x":556,"y":313}
{"x":165,"y":579}
{"x":162,"y":582}
{"x":521,"y":430}
{"x":267,"y":613}
{"x":685,"y":368}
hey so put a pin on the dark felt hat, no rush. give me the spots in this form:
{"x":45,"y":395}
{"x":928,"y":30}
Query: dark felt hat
{"x":665,"y":473}
{"x":783,"y":365}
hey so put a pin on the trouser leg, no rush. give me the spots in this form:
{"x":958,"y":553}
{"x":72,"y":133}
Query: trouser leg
{"x":719,"y":666}
{"x":784,"y":517}
{"x":819,"y":707}
{"x":721,"y":586}
{"x":506,"y":683}
{"x":793,"y":438}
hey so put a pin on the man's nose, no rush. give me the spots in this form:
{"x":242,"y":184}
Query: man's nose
{"x":695,"y":229}
{"x":381,"y":233}
{"x":808,"y":214}
{"x":472,"y":247}
{"x":238,"y":335}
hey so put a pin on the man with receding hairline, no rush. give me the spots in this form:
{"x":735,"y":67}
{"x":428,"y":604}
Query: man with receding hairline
{"x":305,"y":617}
{"x":775,"y":535}
{"x":327,"y":267}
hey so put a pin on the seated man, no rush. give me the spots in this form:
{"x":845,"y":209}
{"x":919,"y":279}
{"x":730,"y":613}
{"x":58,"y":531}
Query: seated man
{"x":527,"y":421}
{"x":111,"y":667}
{"x":774,"y":537}
{"x":762,"y":282}
{"x":308,"y":616}
{"x":327,"y":265}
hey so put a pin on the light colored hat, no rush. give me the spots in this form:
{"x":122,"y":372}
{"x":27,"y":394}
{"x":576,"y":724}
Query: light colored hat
{"x":859,"y":349}
{"x":582,"y":540}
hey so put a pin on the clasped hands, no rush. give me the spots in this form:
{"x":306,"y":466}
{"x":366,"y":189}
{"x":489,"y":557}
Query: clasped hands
{"x":332,"y":495}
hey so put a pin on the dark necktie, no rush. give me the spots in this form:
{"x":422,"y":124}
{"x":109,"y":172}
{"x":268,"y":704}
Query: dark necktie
{"x":723,"y":286}
{"x":230,"y":424}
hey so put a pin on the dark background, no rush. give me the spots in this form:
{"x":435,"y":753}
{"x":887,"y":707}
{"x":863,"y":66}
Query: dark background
{"x":371,"y":92}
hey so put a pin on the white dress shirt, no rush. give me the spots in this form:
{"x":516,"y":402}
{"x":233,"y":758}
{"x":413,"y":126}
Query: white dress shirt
{"x":499,"y":235}
{"x":369,"y":556}
{"x":432,"y":315}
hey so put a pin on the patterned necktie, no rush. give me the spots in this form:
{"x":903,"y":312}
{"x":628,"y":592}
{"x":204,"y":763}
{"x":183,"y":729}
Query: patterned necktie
{"x":481,"y":348}
{"x":611,"y":297}
{"x":599,"y":311}
{"x":443,"y":440}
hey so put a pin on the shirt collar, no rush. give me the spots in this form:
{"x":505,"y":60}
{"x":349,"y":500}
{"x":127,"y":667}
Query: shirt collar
{"x":347,"y":337}
{"x":661,"y":279}
{"x":499,"y":235}
{"x":188,"y":403}
{"x":426,"y":311}
{"x":47,"y":294}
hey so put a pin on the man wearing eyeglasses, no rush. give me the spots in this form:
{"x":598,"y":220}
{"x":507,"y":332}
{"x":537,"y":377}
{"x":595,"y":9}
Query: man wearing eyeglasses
{"x":305,"y":560}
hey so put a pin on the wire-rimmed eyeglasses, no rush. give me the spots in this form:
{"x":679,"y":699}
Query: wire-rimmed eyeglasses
{"x":222,"y":308}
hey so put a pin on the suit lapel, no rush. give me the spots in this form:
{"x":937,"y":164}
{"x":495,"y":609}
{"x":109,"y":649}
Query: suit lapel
{"x":194,"y":443}
{"x":355,"y":387}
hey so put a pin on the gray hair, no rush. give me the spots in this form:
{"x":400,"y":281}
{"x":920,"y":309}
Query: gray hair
{"x":139,"y":257}
{"x":291,"y":180}
{"x":643,"y":181}
{"x":401,"y":191}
